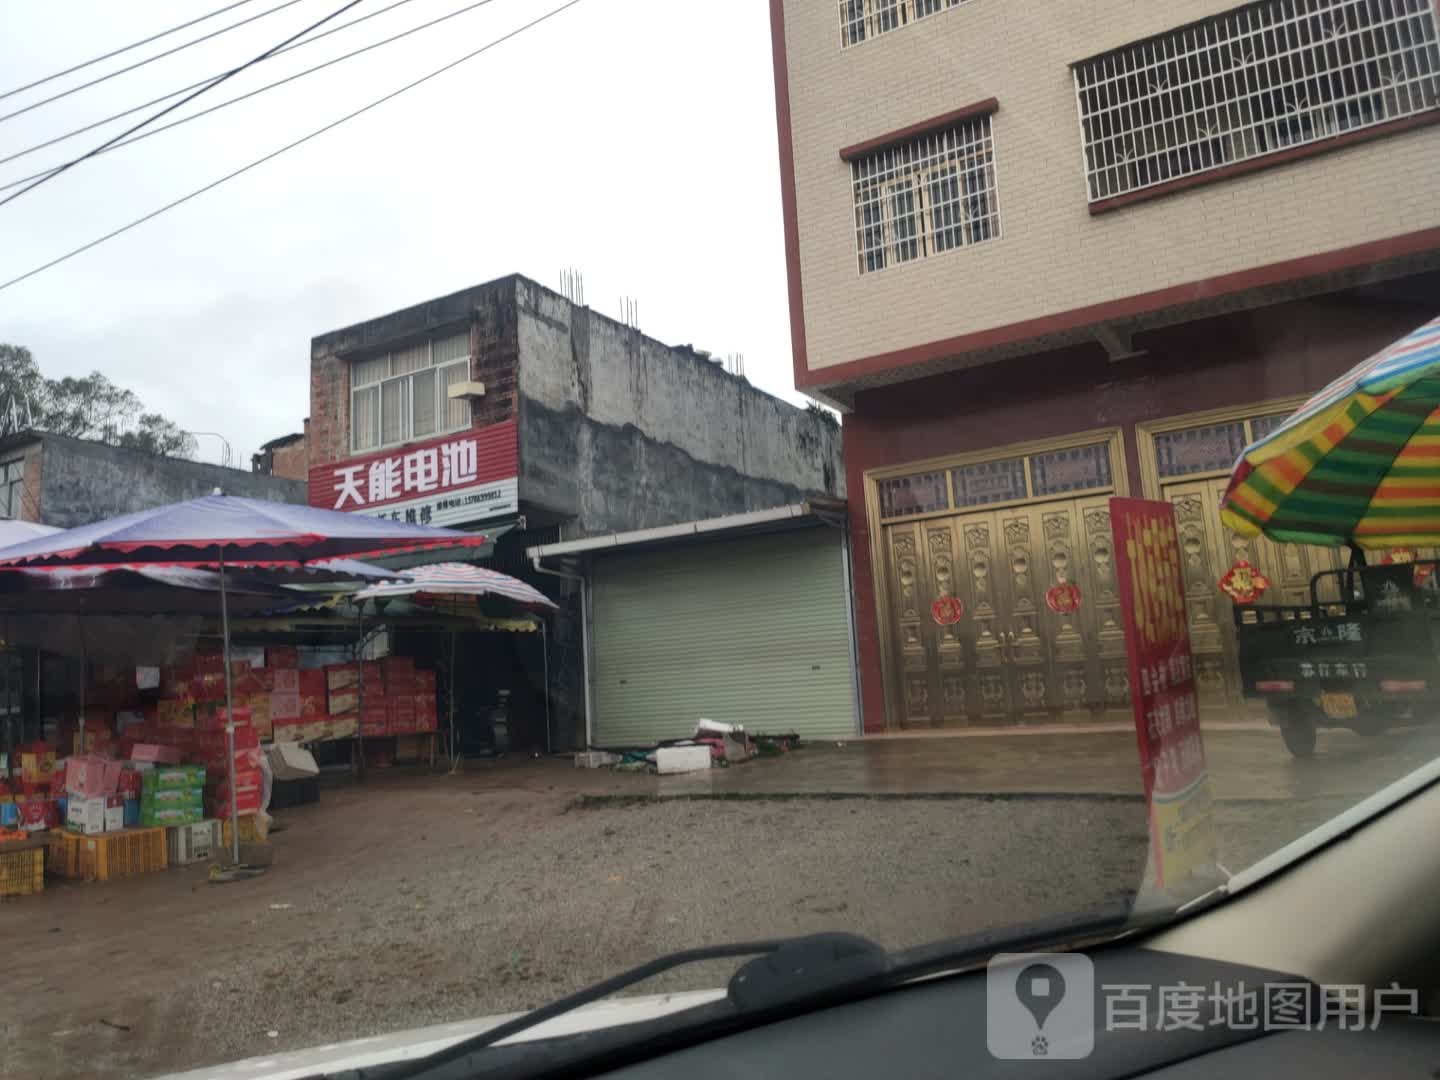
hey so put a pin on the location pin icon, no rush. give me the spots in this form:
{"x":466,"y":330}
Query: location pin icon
{"x":1039,"y":988}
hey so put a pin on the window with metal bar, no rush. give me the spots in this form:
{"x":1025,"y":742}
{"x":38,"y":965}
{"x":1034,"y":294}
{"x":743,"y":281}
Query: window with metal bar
{"x":861,"y":19}
{"x":403,"y":395}
{"x":12,"y":488}
{"x":1253,"y":81}
{"x":924,"y":197}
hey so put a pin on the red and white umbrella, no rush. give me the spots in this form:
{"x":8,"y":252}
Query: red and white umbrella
{"x":458,"y":580}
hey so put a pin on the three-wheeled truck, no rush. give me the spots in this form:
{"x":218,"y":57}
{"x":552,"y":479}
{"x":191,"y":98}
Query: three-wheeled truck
{"x":1363,"y":654}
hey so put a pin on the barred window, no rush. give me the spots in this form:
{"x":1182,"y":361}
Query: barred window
{"x":861,"y":19}
{"x":924,"y":197}
{"x":1254,"y":81}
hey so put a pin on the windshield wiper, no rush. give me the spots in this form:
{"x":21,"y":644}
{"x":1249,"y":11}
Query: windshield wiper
{"x":787,"y":976}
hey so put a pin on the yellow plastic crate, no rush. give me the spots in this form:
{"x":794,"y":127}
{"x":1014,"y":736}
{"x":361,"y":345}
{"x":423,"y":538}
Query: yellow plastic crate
{"x":22,"y":872}
{"x":65,"y":855}
{"x":123,"y":854}
{"x":251,"y":832}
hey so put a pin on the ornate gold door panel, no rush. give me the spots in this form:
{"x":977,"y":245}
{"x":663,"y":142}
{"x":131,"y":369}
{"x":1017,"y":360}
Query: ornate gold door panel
{"x":915,"y":682}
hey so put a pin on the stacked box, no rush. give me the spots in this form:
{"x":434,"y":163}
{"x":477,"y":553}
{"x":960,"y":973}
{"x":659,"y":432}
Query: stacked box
{"x":344,"y":701}
{"x":282,"y":656}
{"x":341,"y":676}
{"x":287,"y":679}
{"x":260,"y":716}
{"x":192,"y":843}
{"x":247,"y":794}
{"x":398,"y":675}
{"x":90,"y":776}
{"x":424,"y":681}
{"x":400,"y":715}
{"x":426,"y":712}
{"x":284,"y":706}
{"x":172,"y":795}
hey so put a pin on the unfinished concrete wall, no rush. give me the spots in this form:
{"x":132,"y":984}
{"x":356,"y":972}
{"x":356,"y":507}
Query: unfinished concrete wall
{"x":83,"y":481}
{"x":624,"y":432}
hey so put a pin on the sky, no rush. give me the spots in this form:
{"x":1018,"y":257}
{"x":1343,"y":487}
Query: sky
{"x":631,"y":140}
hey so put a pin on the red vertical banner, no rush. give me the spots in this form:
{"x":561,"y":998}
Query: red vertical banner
{"x":1162,"y":688}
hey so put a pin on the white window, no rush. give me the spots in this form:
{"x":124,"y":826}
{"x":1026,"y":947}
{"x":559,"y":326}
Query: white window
{"x":861,"y":19}
{"x":12,"y":488}
{"x":403,"y":395}
{"x":1254,"y":81}
{"x":924,"y":197}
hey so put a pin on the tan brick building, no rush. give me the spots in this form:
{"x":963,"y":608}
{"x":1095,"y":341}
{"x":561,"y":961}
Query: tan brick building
{"x":1046,"y":253}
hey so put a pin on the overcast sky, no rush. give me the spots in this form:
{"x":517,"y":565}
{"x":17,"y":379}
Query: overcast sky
{"x":633,"y":140}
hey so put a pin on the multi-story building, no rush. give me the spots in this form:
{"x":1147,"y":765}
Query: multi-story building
{"x":1043,"y":254}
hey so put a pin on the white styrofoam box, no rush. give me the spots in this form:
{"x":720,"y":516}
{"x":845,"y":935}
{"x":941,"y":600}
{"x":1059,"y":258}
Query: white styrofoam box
{"x":291,"y":761}
{"x":192,"y":843}
{"x":678,"y":759}
{"x":114,"y":816}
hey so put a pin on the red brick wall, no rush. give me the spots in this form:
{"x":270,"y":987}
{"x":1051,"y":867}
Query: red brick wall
{"x":1229,"y":360}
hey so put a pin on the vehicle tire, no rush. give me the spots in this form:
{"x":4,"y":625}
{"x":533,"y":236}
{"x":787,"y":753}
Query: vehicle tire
{"x":1298,"y":731}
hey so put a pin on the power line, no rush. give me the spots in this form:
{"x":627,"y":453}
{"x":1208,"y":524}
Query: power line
{"x":171,"y":108}
{"x":122,"y":49}
{"x":141,"y":63}
{"x":176,"y":93}
{"x":252,"y":93}
{"x":288,"y":146}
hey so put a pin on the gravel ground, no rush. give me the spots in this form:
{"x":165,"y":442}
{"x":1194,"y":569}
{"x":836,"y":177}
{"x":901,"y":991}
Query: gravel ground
{"x":456,"y":903}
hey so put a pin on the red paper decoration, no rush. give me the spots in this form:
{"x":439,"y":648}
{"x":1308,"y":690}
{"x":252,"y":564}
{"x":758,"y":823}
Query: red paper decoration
{"x":947,"y":610}
{"x":1243,"y":583}
{"x":1063,"y":598}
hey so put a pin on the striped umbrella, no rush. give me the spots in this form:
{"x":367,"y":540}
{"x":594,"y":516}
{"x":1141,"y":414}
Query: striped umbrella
{"x":458,"y":580}
{"x":1358,"y":464}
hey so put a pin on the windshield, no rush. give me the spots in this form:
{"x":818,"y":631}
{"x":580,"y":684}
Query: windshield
{"x":494,"y":493}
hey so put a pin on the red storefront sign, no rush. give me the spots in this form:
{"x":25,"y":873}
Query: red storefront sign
{"x":1162,"y":687}
{"x":451,"y":480}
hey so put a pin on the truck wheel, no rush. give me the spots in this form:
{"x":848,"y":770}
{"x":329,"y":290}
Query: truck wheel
{"x":1298,"y":731}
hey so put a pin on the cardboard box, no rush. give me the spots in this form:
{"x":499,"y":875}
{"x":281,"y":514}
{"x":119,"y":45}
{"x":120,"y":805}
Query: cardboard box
{"x":341,"y":676}
{"x":162,"y":797}
{"x":131,"y":781}
{"x":33,"y":815}
{"x":314,"y":706}
{"x":291,"y":762}
{"x":282,"y":656}
{"x":193,"y":843}
{"x":343,"y":727}
{"x":681,"y":759}
{"x":287,"y":679}
{"x":114,"y":813}
{"x":284,"y":705}
{"x":89,"y":776}
{"x":171,"y":815}
{"x":85,"y":815}
{"x":169,"y":777}
{"x":312,"y":681}
{"x":157,"y":752}
{"x":37,"y":766}
{"x":425,"y":681}
{"x":286,"y":731}
{"x":248,"y":800}
{"x":264,"y":679}
{"x":344,"y":701}
{"x":260,"y":716}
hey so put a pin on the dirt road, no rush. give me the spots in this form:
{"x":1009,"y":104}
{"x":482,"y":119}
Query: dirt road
{"x":416,"y":900}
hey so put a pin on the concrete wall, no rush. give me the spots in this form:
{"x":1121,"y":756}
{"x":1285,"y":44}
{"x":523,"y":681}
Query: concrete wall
{"x":83,"y":481}
{"x":624,"y":432}
{"x":1053,"y":255}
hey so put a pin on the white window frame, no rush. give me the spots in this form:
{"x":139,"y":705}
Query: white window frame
{"x":13,"y":488}
{"x":375,"y":382}
{"x":967,"y":149}
{"x":861,"y":20}
{"x":1251,"y":82}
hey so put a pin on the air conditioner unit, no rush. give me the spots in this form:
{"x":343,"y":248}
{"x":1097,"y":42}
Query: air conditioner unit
{"x":468,"y":390}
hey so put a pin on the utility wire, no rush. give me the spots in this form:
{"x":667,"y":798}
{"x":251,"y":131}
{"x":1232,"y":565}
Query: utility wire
{"x":176,"y":93}
{"x":122,"y":49}
{"x":141,"y":63}
{"x":171,"y":108}
{"x":288,"y":146}
{"x":249,"y":93}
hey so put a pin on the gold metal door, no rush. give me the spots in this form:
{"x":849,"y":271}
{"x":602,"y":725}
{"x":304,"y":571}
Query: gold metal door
{"x":1209,"y":549}
{"x":1010,"y":659}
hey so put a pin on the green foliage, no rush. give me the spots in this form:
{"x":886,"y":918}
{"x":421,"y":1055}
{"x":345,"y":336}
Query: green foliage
{"x":91,"y":407}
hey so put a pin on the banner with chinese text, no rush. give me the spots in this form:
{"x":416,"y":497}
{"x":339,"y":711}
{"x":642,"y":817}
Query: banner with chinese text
{"x":1162,"y":687}
{"x":452,"y":480}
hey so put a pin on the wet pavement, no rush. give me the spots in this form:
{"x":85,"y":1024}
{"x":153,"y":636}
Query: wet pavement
{"x":1243,"y":764}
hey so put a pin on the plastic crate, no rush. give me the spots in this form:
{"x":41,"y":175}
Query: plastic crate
{"x":22,"y":872}
{"x":65,"y":855}
{"x":123,"y":854}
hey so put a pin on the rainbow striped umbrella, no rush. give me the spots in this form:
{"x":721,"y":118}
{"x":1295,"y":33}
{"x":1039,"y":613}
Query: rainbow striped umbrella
{"x":1358,"y":464}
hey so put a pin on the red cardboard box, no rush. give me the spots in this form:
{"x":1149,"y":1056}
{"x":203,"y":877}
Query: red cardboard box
{"x":260,"y":716}
{"x":342,"y":727}
{"x":341,"y":676}
{"x":344,"y":701}
{"x":287,"y":679}
{"x":245,"y":780}
{"x":264,"y":679}
{"x":312,"y":681}
{"x":209,"y":662}
{"x":37,"y":814}
{"x":282,"y":656}
{"x":130,"y":782}
{"x":424,"y":681}
{"x":209,"y":686}
{"x":249,"y":803}
{"x":284,"y":705}
{"x":314,"y":706}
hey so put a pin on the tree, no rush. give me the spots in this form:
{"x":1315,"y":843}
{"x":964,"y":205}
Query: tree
{"x":91,"y":407}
